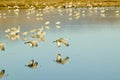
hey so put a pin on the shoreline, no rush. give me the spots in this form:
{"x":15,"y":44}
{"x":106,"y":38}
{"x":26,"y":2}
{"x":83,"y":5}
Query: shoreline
{"x":37,"y":4}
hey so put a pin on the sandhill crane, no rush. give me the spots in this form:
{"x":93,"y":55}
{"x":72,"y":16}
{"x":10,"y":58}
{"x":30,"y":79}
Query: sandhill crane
{"x":61,"y":41}
{"x":60,"y":60}
{"x":58,"y":24}
{"x":13,"y":33}
{"x":32,"y":64}
{"x":32,"y":43}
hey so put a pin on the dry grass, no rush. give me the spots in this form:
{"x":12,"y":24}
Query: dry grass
{"x":39,"y":3}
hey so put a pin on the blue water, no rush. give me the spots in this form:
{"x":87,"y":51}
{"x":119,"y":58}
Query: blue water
{"x":94,"y":49}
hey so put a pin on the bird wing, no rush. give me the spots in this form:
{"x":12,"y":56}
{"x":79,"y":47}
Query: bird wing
{"x":2,"y":72}
{"x":59,"y":58}
{"x":65,"y":42}
{"x":2,"y":47}
{"x":31,"y":62}
{"x":34,"y":43}
{"x":31,"y":45}
{"x":65,"y":60}
{"x":36,"y":63}
{"x":58,"y":43}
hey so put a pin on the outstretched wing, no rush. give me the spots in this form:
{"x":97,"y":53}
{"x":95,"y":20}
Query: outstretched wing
{"x":2,"y":73}
{"x":36,"y":63}
{"x":59,"y":58}
{"x":65,"y":60}
{"x":31,"y":62}
{"x":65,"y":42}
{"x":30,"y":43}
{"x":58,"y":43}
{"x":36,"y":45}
{"x":2,"y":47}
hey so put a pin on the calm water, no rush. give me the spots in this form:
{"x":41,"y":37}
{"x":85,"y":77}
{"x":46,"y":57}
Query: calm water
{"x":94,"y":47}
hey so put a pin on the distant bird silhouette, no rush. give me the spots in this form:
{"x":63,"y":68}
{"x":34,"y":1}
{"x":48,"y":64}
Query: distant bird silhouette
{"x":60,"y":60}
{"x":61,"y":41}
{"x":32,"y":64}
{"x":32,"y":43}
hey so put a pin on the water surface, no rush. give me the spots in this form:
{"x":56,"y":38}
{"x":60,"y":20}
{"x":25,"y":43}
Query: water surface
{"x":94,"y":47}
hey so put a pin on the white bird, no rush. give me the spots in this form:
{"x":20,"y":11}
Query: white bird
{"x":47,"y":22}
{"x":47,"y":27}
{"x":102,"y":10}
{"x":32,"y":64}
{"x":60,"y":60}
{"x":57,"y":23}
{"x":61,"y":41}
{"x":40,"y":36}
{"x":32,"y":43}
{"x":117,"y":11}
{"x":57,"y":26}
{"x":14,"y":36}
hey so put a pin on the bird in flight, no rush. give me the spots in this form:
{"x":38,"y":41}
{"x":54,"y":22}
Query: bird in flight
{"x":60,"y":60}
{"x":32,"y":43}
{"x":32,"y":64}
{"x":61,"y":41}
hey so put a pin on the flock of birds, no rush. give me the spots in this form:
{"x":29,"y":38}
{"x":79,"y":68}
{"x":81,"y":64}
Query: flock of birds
{"x":71,"y":10}
{"x":38,"y":35}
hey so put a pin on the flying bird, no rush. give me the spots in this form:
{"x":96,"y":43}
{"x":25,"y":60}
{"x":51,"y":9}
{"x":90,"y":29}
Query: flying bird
{"x":61,"y":41}
{"x":32,"y":64}
{"x":32,"y":43}
{"x":60,"y":60}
